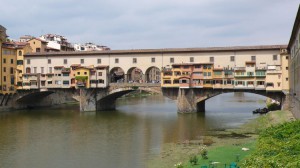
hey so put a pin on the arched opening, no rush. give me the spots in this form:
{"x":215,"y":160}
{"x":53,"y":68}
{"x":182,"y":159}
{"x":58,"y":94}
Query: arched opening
{"x":153,"y":75}
{"x":135,"y":75}
{"x":28,"y":70}
{"x":117,"y":75}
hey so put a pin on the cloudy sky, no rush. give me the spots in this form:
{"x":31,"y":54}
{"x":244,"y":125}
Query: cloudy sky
{"x":137,"y":24}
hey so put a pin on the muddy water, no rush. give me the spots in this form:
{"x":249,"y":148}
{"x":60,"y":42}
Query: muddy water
{"x":63,"y":137}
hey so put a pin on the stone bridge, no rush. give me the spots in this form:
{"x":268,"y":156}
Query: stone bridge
{"x":193,"y":99}
{"x":100,"y":99}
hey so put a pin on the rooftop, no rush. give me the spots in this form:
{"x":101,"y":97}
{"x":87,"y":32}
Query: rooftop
{"x":165,"y":50}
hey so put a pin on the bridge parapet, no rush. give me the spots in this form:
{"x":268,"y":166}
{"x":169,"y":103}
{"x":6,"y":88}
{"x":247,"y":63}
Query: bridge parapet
{"x":149,"y":87}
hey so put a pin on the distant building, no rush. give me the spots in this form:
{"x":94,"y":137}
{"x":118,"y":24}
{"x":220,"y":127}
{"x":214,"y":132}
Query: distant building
{"x":57,"y":42}
{"x":26,"y":38}
{"x":89,"y":47}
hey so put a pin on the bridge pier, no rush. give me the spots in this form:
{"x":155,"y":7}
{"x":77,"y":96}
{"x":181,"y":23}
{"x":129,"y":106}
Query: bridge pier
{"x":87,"y":100}
{"x":187,"y":102}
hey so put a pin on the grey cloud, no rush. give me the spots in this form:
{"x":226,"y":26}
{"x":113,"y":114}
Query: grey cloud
{"x":123,"y":24}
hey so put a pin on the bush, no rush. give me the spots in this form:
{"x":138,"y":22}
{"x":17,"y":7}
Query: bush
{"x":193,"y":159}
{"x":278,"y":146}
{"x":203,"y":152}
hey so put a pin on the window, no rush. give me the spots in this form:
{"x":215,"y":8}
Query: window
{"x":116,"y":60}
{"x":287,"y":57}
{"x":42,"y":70}
{"x":34,"y":70}
{"x":50,"y":69}
{"x":134,"y":60}
{"x":19,"y":62}
{"x":85,"y":73}
{"x":286,"y":79}
{"x":28,"y":70}
{"x":191,"y":59}
{"x":66,"y":82}
{"x":232,"y":58}
{"x":28,"y":61}
{"x":186,"y":67}
{"x":78,"y":73}
{"x":38,"y":50}
{"x":11,"y":70}
{"x":99,"y":61}
{"x":253,"y":58}
{"x":4,"y":78}
{"x":274,"y":57}
{"x":278,"y":84}
{"x":65,"y":61}
{"x":286,"y":68}
{"x":211,"y":59}
{"x":197,"y":66}
{"x":12,"y":61}
{"x":20,"y":53}
{"x":4,"y":69}
{"x":49,"y":61}
{"x":82,"y":61}
{"x":99,"y":73}
{"x":218,"y":73}
{"x":152,"y":60}
{"x":4,"y":60}
{"x":171,"y":60}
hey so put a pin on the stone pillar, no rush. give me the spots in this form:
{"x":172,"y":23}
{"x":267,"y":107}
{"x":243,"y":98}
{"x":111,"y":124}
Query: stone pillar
{"x":186,"y":101}
{"x":87,"y":100}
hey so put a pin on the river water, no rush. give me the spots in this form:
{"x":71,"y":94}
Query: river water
{"x":62,"y":137}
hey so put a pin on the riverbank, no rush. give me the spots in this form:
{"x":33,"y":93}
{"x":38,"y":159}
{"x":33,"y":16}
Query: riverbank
{"x":223,"y":147}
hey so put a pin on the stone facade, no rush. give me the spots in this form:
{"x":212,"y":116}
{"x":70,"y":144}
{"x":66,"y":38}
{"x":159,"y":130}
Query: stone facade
{"x":294,"y":67}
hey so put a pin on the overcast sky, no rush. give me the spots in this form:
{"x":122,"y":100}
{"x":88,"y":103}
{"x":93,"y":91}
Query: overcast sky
{"x":142,"y":24}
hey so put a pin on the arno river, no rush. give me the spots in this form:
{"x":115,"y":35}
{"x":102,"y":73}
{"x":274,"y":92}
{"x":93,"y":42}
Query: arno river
{"x":62,"y":137}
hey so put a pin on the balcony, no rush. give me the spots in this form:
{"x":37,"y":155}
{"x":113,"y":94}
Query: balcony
{"x":239,"y":69}
{"x":184,"y":85}
{"x":218,"y":86}
{"x":260,"y":87}
{"x":273,"y":71}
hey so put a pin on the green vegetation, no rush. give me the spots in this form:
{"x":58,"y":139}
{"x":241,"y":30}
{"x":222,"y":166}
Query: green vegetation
{"x":225,"y":146}
{"x":81,"y":78}
{"x":134,"y":87}
{"x":278,"y":146}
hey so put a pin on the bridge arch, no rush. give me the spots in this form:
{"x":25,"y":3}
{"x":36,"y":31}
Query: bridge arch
{"x":200,"y":101}
{"x":108,"y":101}
{"x":117,"y":74}
{"x":152,"y":75}
{"x":135,"y":74}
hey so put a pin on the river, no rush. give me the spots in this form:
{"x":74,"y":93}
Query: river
{"x":62,"y":137}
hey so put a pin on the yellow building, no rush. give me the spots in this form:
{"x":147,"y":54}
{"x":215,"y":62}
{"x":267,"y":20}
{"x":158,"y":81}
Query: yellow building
{"x":82,"y":77}
{"x":8,"y":66}
{"x":21,"y":49}
{"x":38,"y":45}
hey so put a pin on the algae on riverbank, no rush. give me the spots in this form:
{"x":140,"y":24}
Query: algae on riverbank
{"x":226,"y":147}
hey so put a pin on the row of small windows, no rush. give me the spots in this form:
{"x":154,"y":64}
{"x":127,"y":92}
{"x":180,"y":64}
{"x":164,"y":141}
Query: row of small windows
{"x":172,"y":60}
{"x":12,"y":52}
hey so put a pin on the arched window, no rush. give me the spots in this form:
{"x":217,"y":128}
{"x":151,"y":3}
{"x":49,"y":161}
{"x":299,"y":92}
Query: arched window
{"x":20,"y":53}
{"x":28,"y":70}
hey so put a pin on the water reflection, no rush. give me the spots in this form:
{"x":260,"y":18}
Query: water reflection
{"x":64,"y":137}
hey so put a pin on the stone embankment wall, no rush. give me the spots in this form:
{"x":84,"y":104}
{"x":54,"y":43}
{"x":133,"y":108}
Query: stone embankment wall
{"x":293,"y":104}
